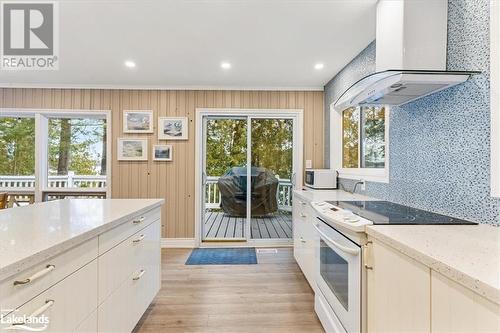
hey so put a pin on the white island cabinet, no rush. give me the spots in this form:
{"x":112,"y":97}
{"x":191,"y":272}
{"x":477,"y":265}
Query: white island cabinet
{"x":79,"y":265}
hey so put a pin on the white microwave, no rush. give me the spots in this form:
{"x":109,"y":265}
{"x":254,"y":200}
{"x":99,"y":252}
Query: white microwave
{"x":321,"y":179}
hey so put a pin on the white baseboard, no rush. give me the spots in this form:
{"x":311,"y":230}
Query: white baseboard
{"x":187,"y":243}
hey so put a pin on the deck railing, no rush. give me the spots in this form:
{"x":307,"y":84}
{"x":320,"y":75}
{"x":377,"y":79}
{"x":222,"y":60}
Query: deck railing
{"x":283,"y":195}
{"x":70,"y":180}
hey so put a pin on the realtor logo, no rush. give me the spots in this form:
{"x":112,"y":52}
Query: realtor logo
{"x":29,"y":35}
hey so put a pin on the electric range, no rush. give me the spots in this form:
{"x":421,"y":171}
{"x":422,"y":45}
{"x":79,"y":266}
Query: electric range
{"x":385,"y":212}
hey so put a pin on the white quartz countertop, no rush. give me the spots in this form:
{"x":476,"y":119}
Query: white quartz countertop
{"x":330,"y":195}
{"x":31,"y":234}
{"x":467,"y":254}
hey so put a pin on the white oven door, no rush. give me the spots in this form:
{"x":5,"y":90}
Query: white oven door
{"x":339,"y":275}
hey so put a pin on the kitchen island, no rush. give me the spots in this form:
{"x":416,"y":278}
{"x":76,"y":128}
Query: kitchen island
{"x":103,"y":253}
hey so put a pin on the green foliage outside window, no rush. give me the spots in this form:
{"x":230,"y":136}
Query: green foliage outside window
{"x":17,"y":146}
{"x":350,"y":138}
{"x":77,"y":145}
{"x":363,"y":137}
{"x":272,"y":145}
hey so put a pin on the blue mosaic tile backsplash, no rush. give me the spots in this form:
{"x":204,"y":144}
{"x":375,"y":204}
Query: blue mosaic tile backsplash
{"x":439,"y":145}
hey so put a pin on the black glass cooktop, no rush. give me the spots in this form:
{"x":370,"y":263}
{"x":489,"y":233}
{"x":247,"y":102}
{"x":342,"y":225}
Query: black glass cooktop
{"x":385,"y":212}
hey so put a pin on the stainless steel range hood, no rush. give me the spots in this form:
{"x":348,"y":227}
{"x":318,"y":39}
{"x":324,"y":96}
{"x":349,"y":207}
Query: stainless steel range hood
{"x":398,"y":87}
{"x":411,"y":35}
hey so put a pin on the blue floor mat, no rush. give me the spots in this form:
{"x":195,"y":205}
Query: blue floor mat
{"x":233,"y":256}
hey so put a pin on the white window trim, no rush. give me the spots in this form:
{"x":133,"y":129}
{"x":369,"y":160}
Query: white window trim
{"x":495,"y":96}
{"x":369,"y":174}
{"x":41,"y":145}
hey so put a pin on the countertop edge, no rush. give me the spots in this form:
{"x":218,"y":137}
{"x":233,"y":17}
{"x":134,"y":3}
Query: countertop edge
{"x":54,"y":250}
{"x":481,"y":288}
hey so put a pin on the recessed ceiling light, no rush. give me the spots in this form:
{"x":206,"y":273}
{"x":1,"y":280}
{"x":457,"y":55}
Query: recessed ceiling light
{"x":130,"y":64}
{"x":225,"y":65}
{"x":319,"y":66}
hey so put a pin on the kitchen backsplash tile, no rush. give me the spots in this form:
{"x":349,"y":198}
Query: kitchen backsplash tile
{"x":439,"y":145}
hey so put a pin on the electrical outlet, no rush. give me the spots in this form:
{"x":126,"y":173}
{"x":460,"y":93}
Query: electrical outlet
{"x":309,"y":164}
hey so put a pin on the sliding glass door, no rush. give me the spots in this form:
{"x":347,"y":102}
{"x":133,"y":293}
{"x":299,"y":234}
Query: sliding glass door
{"x":225,"y":195}
{"x":248,"y":177}
{"x":272,"y":177}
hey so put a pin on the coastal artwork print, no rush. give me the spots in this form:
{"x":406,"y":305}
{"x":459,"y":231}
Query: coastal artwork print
{"x":173,"y":128}
{"x":132,"y":149}
{"x":137,"y":121}
{"x":162,"y":152}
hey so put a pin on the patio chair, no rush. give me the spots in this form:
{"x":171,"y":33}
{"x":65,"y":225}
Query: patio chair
{"x":3,"y":200}
{"x":233,"y":189}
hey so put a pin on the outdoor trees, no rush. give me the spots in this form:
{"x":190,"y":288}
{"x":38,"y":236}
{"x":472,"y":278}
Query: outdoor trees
{"x":17,"y":146}
{"x":363,"y":137}
{"x":76,"y":145}
{"x":272,"y":145}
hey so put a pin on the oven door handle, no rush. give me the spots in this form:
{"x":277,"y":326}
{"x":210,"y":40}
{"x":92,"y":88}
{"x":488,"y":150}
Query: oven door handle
{"x":346,"y":249}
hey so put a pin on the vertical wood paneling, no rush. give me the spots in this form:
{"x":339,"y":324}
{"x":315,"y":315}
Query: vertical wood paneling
{"x":173,"y":181}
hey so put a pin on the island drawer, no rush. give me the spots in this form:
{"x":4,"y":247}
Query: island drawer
{"x":137,"y":292}
{"x":24,"y":286}
{"x":113,"y":237}
{"x":65,"y":305}
{"x":116,"y":265}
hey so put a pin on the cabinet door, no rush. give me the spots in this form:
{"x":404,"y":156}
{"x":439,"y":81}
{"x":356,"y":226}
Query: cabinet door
{"x":458,"y":309}
{"x":309,"y":249}
{"x":398,"y":292}
{"x":298,"y":232}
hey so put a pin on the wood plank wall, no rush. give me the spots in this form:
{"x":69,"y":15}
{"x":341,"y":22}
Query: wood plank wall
{"x":173,"y":181}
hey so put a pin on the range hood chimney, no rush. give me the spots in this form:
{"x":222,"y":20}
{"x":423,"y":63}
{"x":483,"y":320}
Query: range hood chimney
{"x":410,"y":56}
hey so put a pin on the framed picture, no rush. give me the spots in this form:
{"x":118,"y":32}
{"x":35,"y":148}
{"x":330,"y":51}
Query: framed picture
{"x":137,"y":121}
{"x":173,"y":128}
{"x":132,"y":149}
{"x":162,"y":152}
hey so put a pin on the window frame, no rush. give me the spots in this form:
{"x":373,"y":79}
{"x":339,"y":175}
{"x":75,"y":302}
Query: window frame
{"x":42,"y":116}
{"x":336,"y":150}
{"x":495,"y":96}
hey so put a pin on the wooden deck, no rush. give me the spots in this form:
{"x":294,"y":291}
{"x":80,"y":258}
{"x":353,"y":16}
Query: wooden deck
{"x":218,"y":225}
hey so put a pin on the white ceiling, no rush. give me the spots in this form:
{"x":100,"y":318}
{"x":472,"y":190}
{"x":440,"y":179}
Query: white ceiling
{"x":271,"y":44}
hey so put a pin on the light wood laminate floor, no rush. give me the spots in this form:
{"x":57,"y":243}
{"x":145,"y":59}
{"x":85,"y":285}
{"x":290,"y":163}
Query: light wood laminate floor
{"x":272,"y":296}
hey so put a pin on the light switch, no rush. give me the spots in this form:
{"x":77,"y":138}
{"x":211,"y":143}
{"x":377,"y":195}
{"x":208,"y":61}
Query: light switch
{"x":309,"y":164}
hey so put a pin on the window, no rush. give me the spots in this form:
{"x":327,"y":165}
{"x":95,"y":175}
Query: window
{"x":359,"y":136}
{"x":77,"y":152}
{"x":53,"y":154}
{"x":17,"y":165}
{"x":363,"y":137}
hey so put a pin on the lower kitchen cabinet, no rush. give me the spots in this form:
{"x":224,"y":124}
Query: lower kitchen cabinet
{"x":458,"y":309}
{"x":403,"y":295}
{"x":304,"y":240}
{"x":398,"y":292}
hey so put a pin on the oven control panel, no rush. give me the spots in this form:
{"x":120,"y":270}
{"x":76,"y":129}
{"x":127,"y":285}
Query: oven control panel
{"x":340,"y":216}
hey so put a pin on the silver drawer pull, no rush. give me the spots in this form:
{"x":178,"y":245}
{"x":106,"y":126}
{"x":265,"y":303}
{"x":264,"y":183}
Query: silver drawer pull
{"x":38,"y":312}
{"x":141,"y":273}
{"x":139,"y":220}
{"x":47,"y":270}
{"x":141,"y":237}
{"x":302,"y":203}
{"x":302,"y":240}
{"x":303,"y":215}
